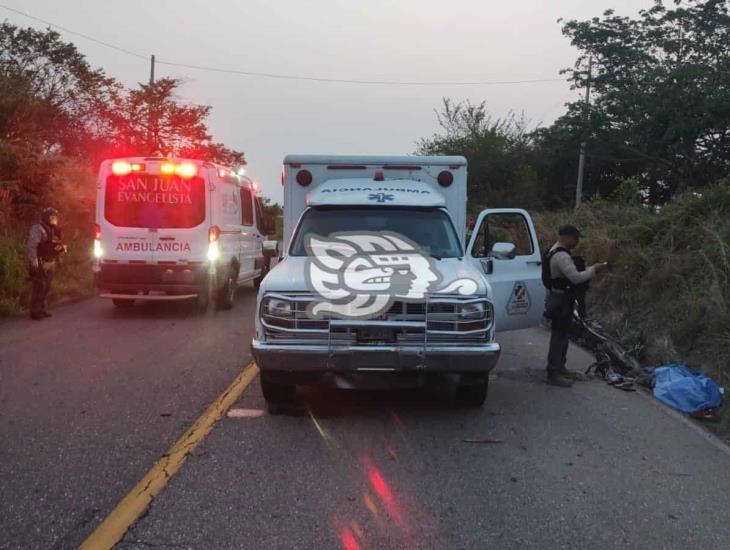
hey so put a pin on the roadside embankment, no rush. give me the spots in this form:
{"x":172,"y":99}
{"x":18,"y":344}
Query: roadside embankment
{"x":666,"y":294}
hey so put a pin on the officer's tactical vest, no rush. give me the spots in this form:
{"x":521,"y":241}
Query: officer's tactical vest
{"x":557,"y":283}
{"x":50,"y":247}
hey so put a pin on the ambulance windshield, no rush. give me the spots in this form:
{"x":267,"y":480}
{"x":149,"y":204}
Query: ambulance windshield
{"x":430,"y":228}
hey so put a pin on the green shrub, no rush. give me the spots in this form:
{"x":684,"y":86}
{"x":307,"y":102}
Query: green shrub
{"x":668,"y":287}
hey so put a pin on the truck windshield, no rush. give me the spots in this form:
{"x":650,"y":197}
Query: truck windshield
{"x":430,"y":228}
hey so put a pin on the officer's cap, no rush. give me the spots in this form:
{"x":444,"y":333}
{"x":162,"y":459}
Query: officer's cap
{"x":570,"y":230}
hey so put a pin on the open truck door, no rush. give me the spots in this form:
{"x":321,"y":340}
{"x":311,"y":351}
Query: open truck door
{"x":505,"y":247}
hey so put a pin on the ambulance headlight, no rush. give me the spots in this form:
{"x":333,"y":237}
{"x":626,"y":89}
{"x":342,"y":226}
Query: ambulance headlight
{"x":214,"y":251}
{"x":98,"y":250}
{"x":277,"y":307}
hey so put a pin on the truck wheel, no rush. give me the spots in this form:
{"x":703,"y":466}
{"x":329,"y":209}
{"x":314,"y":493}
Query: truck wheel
{"x":122,"y":303}
{"x":473,"y":394}
{"x":227,"y":294}
{"x":276,"y":393}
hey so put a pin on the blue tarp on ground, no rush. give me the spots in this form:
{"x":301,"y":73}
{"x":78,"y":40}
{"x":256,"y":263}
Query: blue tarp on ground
{"x":683,"y":389}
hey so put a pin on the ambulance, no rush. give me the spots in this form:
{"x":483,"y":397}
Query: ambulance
{"x":391,"y":230}
{"x":177,"y":229}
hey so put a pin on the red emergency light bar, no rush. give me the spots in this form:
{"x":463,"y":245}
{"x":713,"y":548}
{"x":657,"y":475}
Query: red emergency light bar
{"x":304,"y":177}
{"x":185,"y":170}
{"x":122,"y":167}
{"x":445,"y":178}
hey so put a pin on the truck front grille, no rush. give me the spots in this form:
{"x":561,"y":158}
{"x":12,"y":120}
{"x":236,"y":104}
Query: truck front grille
{"x":442,"y":319}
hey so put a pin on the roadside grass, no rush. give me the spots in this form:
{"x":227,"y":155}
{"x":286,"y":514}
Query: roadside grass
{"x":667,"y":291}
{"x":73,"y":278}
{"x":14,"y":286}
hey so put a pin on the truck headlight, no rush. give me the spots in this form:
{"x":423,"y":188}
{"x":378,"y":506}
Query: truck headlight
{"x":472,"y":311}
{"x":277,"y":307}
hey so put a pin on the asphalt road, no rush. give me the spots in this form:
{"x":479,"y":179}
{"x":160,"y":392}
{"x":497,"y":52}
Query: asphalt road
{"x":92,"y":397}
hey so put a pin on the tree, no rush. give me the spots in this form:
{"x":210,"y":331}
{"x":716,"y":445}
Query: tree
{"x":661,"y":110}
{"x":497,"y":150}
{"x":51,"y":97}
{"x":149,"y":119}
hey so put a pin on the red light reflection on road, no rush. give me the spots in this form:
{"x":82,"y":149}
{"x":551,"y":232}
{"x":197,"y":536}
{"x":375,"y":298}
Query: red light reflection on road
{"x":348,"y":540}
{"x":383,"y":490}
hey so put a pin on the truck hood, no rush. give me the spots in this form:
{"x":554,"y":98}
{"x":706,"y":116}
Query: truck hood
{"x":289,"y":276}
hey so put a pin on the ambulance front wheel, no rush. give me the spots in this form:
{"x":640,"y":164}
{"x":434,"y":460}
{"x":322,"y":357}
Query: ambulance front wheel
{"x":226,"y":298}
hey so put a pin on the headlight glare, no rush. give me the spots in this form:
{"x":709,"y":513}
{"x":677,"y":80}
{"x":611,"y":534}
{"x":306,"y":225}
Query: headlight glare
{"x":214,"y":251}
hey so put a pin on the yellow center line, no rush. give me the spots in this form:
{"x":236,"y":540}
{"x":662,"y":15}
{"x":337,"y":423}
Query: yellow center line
{"x":131,"y":507}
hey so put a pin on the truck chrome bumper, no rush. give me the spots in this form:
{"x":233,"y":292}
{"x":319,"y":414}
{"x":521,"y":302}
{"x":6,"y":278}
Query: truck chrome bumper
{"x":313,"y":359}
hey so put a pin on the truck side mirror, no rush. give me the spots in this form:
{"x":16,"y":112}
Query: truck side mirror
{"x":271,"y":249}
{"x":503,"y":251}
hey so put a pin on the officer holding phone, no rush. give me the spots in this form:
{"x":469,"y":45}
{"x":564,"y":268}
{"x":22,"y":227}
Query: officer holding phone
{"x":560,"y":276}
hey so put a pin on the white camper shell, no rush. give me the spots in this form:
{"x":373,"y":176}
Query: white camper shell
{"x":326,"y":168}
{"x":422,"y":198}
{"x":175,"y":229}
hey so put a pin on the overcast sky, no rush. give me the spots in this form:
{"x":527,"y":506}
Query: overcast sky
{"x":404,"y":40}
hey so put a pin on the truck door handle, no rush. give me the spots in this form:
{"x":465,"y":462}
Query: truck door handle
{"x":534,"y":262}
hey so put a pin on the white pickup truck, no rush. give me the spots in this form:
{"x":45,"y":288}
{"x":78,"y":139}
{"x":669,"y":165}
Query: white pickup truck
{"x":375,"y":285}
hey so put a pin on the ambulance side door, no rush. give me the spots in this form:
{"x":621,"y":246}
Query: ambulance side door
{"x":515,"y":277}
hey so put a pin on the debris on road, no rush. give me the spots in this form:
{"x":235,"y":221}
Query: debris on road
{"x":708,"y":415}
{"x":610,"y":356}
{"x":245,"y":413}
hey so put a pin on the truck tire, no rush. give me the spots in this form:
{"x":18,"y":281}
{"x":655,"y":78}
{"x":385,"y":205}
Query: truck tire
{"x":473,"y":394}
{"x":276,"y":393}
{"x":226,"y":297}
{"x":122,"y":303}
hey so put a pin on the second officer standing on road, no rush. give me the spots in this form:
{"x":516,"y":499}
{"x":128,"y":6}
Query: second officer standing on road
{"x":560,"y":276}
{"x":44,"y":248}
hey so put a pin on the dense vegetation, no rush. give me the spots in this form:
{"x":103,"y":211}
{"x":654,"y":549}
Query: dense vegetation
{"x":659,"y":115}
{"x":657,"y":173}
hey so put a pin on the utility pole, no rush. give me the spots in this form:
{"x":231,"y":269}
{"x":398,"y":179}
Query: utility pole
{"x":152,"y":70}
{"x":582,"y":159}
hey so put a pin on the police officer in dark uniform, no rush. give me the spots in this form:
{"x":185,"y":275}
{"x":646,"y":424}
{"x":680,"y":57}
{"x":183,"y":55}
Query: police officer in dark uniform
{"x":44,"y":249}
{"x":562,"y":279}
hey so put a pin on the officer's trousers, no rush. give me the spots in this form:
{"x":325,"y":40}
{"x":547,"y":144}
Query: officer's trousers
{"x":41,"y":284}
{"x":559,"y":309}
